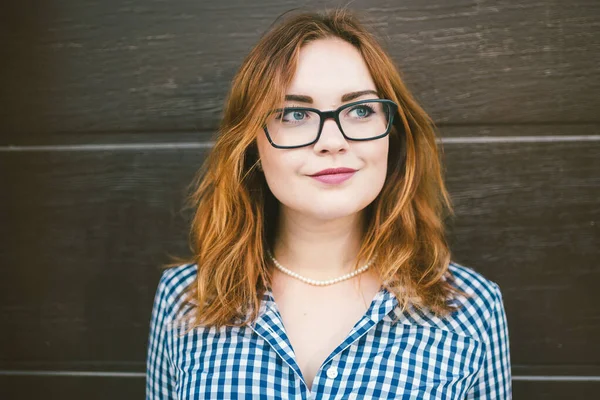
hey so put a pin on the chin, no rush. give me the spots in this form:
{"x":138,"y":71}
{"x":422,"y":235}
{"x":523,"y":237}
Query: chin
{"x":332,"y":212}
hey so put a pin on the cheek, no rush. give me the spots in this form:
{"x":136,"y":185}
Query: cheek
{"x":381,"y":168}
{"x":282,"y":171}
{"x":371,"y":183}
{"x":280,"y":168}
{"x":378,"y":158}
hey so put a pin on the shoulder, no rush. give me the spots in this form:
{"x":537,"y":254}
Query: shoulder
{"x":172,"y":285}
{"x":474,"y":310}
{"x":468,"y":280}
{"x":477,"y":309}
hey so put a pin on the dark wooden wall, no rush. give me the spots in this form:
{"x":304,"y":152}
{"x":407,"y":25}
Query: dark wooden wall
{"x":107,"y":109}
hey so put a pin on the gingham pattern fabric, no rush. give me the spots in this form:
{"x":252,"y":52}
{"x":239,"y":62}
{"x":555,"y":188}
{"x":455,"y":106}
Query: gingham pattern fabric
{"x":462,"y":356}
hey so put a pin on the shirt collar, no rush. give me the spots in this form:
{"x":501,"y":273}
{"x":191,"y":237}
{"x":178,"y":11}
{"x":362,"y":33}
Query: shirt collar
{"x":381,"y":305}
{"x":269,"y":324}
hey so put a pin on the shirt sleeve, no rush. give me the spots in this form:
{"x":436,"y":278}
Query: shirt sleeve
{"x":160,"y":372}
{"x":494,"y":380}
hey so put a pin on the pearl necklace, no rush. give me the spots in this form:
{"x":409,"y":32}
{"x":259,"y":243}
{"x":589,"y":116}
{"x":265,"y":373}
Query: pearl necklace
{"x":314,"y":281}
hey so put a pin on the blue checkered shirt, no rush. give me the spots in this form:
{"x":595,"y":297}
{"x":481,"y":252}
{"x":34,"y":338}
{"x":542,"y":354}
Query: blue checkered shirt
{"x":462,"y":356}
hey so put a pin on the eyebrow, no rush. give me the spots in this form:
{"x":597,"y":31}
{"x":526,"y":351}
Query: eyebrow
{"x":347,"y":97}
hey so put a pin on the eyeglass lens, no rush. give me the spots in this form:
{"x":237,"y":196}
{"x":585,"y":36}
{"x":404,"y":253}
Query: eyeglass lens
{"x":295,"y":126}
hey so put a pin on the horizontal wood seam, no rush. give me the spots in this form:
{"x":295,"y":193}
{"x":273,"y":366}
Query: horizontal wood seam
{"x":205,"y":145}
{"x":105,"y":374}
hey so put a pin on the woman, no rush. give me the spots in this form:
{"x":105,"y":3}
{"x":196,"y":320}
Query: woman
{"x":320,"y":265}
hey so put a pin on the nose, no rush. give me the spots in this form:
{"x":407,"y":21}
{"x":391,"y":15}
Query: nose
{"x":331,"y":140}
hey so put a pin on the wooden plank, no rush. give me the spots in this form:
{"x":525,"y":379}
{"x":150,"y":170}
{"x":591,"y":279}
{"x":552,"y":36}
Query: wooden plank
{"x":545,"y":390}
{"x":84,"y":231}
{"x":528,"y":217}
{"x":541,"y":132}
{"x":73,"y":387}
{"x":87,"y":66}
{"x":83,"y":235}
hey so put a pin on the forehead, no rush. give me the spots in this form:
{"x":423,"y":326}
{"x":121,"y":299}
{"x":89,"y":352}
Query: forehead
{"x":329,"y":68}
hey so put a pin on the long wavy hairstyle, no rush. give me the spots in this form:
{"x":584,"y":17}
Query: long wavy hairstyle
{"x":235,"y":213}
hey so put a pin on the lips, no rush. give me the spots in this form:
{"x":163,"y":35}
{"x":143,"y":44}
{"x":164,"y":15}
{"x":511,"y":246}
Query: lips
{"x":333,"y":178}
{"x":334,"y":171}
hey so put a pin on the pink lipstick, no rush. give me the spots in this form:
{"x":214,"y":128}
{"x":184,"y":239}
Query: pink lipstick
{"x":334,"y":178}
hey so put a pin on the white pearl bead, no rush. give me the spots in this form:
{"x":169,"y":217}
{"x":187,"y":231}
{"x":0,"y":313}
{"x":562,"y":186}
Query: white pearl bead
{"x":313,"y":281}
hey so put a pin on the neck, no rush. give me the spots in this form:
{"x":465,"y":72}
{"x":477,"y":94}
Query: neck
{"x":319,"y":249}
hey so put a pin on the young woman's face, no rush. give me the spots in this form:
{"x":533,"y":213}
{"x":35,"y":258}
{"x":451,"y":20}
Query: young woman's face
{"x":327,"y":71}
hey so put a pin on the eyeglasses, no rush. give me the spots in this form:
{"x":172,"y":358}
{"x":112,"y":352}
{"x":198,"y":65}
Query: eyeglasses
{"x":293,"y":127}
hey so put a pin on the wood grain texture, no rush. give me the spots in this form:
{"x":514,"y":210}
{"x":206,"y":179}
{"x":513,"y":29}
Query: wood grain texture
{"x":528,"y":217}
{"x":555,"y":390}
{"x":70,"y":388}
{"x":76,"y":388}
{"x":88,"y":66}
{"x":83,"y":236}
{"x":535,"y":133}
{"x":84,"y":231}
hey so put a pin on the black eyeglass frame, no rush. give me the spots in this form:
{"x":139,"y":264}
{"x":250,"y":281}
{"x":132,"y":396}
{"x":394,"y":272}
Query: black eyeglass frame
{"x":335,"y":115}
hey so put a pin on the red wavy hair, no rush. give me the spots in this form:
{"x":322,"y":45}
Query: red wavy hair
{"x":235,"y":212}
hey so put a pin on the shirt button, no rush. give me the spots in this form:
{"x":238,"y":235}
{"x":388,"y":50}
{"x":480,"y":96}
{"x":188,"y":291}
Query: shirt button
{"x":332,"y":372}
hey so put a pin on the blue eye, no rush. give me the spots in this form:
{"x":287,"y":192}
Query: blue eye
{"x":296,"y":115}
{"x":362,"y":111}
{"x":293,"y":116}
